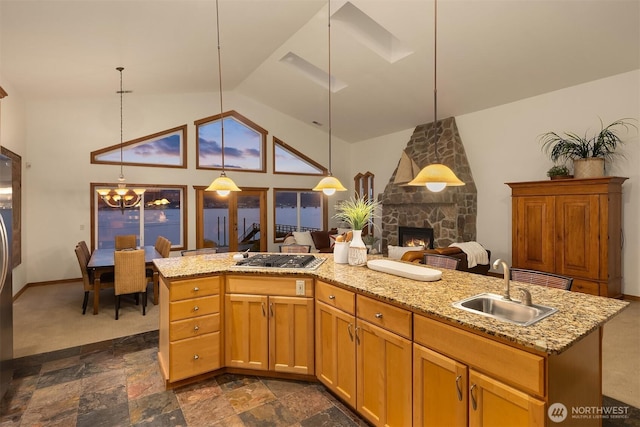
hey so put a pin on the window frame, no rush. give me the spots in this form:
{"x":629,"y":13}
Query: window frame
{"x":245,"y":121}
{"x":325,"y":209}
{"x":278,"y":142}
{"x":183,"y":146}
{"x":183,"y":208}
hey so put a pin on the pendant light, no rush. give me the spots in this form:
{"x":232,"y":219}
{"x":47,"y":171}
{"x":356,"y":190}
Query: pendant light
{"x":222,"y":185}
{"x":121,"y":197}
{"x":329,"y":184}
{"x":436,"y":176}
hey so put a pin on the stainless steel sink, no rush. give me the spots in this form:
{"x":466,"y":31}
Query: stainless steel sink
{"x":494,"y":306}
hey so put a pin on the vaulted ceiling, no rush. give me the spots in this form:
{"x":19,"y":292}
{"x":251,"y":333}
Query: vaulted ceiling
{"x":489,"y":52}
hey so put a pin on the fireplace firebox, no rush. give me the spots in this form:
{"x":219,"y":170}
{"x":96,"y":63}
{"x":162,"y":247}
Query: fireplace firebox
{"x":415,"y":236}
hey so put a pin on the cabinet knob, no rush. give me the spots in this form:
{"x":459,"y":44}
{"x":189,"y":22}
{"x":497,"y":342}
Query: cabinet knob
{"x":196,"y":357}
{"x":196,"y":289}
{"x":196,"y":328}
{"x":378,"y":315}
{"x":196,"y":308}
{"x":332,"y":297}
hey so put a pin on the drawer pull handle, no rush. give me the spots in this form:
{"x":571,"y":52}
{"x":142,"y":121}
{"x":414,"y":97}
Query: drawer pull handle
{"x":349,"y":326}
{"x":196,"y":328}
{"x":474,"y":403}
{"x":271,"y":309}
{"x":196,"y":289}
{"x":458,"y":388}
{"x":196,"y":357}
{"x":196,"y":308}
{"x":357,"y":336}
{"x":263,"y":313}
{"x":332,"y":297}
{"x":378,"y":315}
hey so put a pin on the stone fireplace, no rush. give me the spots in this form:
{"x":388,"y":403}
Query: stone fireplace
{"x":451,"y":213}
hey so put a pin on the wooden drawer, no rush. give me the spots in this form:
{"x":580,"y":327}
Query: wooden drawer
{"x":586,"y":287}
{"x":265,"y":285}
{"x":508,"y":364}
{"x":195,"y":327}
{"x":194,"y":356}
{"x":336,"y":297}
{"x":392,"y":318}
{"x":194,"y":307}
{"x":193,"y":288}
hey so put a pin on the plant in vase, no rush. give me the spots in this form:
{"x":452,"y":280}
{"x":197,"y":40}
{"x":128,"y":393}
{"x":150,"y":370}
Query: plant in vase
{"x":370,"y":240}
{"x":588,"y":154}
{"x":559,"y":172}
{"x":357,"y":212}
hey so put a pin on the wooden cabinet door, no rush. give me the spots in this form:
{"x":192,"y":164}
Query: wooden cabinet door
{"x":336,"y":351}
{"x":578,"y":236}
{"x":383,"y":376}
{"x":291,"y":345}
{"x":246,"y":331}
{"x":533,"y":232}
{"x":439,"y":389}
{"x":493,"y":403}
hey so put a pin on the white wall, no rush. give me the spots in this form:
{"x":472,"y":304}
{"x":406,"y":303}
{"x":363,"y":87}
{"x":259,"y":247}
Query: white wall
{"x":62,"y":133}
{"x":13,"y":137}
{"x":502,"y":146}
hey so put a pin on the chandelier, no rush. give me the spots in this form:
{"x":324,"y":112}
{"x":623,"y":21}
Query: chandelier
{"x":436,"y":176}
{"x":329,"y":184}
{"x":223,"y":185}
{"x":121,"y":197}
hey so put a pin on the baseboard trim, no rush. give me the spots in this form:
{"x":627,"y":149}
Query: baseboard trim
{"x":630,"y":297}
{"x":47,"y":283}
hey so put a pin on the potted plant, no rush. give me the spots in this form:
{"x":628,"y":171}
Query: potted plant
{"x":559,"y":172}
{"x":357,"y":213}
{"x":370,"y":240}
{"x":588,"y":153}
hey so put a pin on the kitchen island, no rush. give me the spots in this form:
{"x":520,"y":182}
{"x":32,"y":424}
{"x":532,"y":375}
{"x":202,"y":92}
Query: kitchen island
{"x":367,"y":323}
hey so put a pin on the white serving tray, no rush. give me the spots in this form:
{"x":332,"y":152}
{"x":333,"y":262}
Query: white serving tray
{"x":403,"y":269}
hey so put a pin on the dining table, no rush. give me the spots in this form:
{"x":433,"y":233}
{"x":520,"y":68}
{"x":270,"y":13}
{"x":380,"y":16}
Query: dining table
{"x":102,"y":261}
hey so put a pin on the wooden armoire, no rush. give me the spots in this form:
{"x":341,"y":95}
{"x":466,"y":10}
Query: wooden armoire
{"x":571,"y":227}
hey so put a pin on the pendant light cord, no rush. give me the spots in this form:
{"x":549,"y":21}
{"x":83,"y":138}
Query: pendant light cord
{"x":121,"y":121}
{"x":329,"y":43}
{"x":220,"y":87}
{"x":435,"y":78}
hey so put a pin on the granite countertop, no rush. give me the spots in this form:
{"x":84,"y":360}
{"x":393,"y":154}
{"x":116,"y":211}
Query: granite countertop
{"x":578,"y":314}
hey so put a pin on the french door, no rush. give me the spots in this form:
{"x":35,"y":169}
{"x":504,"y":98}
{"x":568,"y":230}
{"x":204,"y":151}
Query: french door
{"x":232,"y":223}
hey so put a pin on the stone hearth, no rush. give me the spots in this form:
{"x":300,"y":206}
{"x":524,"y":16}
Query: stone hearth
{"x":452,"y":212}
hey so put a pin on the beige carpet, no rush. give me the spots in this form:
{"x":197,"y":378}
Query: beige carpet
{"x":47,"y":318}
{"x":50,"y":318}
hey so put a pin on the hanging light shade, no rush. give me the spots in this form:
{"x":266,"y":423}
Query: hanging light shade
{"x":436,"y":176}
{"x":223,"y":185}
{"x":329,"y":184}
{"x":121,"y":197}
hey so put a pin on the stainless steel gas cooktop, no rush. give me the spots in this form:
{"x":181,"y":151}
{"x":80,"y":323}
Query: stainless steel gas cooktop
{"x":305,"y":261}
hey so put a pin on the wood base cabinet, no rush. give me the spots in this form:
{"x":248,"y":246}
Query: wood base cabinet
{"x":571,"y":227}
{"x":273,"y":330}
{"x":335,"y":340}
{"x":189,"y":335}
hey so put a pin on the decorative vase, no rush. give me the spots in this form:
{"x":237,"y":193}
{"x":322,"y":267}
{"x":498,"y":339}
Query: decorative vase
{"x":592,"y":167}
{"x":341,"y":252}
{"x":357,"y":249}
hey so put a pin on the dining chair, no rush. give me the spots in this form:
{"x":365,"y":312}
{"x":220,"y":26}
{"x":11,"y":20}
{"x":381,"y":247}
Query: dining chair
{"x":201,"y":251}
{"x":85,"y":249}
{"x":130,"y":277}
{"x":441,"y":261}
{"x":87,"y":277}
{"x":298,"y":249}
{"x":125,"y":241}
{"x":541,"y":278}
{"x":163,"y":246}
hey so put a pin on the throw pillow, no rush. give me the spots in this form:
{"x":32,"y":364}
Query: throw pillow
{"x":304,"y":238}
{"x":396,"y":252}
{"x":290,"y":240}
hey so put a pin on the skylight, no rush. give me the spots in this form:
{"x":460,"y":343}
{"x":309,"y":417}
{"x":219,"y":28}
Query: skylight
{"x":312,"y":72}
{"x":371,"y":34}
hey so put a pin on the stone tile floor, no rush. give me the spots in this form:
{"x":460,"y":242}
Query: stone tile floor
{"x":118,"y":383}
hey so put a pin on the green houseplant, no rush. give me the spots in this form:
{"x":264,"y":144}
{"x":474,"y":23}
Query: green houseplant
{"x":585,"y":150}
{"x":559,"y":172}
{"x":357,"y":212}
